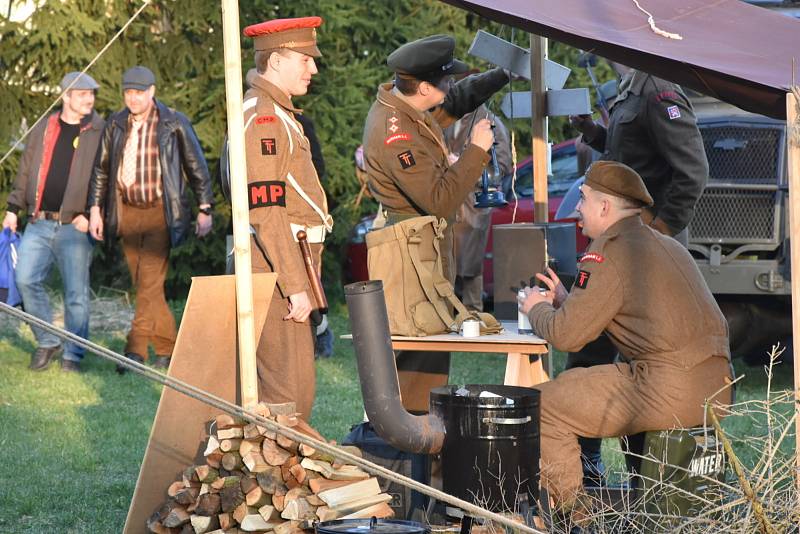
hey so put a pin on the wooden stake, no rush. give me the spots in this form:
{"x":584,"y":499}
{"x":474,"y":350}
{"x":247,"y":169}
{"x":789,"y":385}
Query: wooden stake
{"x":793,"y":168}
{"x":239,"y":206}
{"x":539,"y":128}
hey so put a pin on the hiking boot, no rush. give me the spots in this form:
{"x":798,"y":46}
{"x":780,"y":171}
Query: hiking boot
{"x":42,"y":357}
{"x":121,"y":369}
{"x":161,"y":362}
{"x":70,"y":366}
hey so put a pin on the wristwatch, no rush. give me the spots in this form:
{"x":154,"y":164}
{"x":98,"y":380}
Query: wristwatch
{"x":205,"y":211}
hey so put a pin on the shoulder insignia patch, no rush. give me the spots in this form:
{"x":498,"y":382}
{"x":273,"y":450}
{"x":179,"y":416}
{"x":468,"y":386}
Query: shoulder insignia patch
{"x":269,"y":147}
{"x":592,"y":256}
{"x":266,"y":194}
{"x":406,"y":159}
{"x":264,"y":119}
{"x":673,"y":112}
{"x":582,"y":280}
{"x":667,"y":95}
{"x":397,"y":137}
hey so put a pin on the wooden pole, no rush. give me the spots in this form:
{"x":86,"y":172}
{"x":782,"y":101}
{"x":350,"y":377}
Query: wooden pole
{"x":241,"y":219}
{"x":539,"y":128}
{"x":793,"y":152}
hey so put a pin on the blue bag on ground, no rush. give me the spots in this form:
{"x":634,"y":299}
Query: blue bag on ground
{"x":9,"y":244}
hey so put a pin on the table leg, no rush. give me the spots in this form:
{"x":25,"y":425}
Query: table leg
{"x":524,"y":370}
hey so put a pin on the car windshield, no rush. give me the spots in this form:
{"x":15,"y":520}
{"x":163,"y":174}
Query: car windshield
{"x":564,"y":166}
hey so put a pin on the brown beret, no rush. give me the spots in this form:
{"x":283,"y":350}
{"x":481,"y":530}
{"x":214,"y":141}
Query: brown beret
{"x":298,"y":34}
{"x":619,"y":180}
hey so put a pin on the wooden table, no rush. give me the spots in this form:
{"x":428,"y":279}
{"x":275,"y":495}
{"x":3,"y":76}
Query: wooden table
{"x":523,"y":363}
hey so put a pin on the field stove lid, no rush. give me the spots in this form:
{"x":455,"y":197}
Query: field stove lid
{"x":371,"y":526}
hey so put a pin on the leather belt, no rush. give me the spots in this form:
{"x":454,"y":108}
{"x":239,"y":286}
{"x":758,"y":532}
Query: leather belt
{"x":42,"y":215}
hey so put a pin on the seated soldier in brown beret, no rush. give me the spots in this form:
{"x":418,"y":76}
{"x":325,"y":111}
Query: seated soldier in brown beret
{"x":644,"y":290}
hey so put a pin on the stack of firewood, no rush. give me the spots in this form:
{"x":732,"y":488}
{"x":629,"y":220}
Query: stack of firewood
{"x":255,"y":480}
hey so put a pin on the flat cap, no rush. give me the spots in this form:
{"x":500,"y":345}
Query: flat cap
{"x":298,"y":34}
{"x":427,"y":59}
{"x":139,"y":78}
{"x":619,"y":180}
{"x":82,"y":81}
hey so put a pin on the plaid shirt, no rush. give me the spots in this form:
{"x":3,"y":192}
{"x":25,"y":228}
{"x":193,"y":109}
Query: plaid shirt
{"x":145,"y":189}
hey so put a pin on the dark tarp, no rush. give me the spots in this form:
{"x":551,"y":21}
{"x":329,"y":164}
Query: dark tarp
{"x":730,"y":50}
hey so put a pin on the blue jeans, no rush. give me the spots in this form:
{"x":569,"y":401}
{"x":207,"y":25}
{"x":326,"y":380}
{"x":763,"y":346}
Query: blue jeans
{"x":44,"y":243}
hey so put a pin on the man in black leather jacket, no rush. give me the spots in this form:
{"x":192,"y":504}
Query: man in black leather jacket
{"x":137,"y":192}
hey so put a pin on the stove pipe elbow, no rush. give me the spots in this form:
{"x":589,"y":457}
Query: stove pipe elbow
{"x":369,"y":323}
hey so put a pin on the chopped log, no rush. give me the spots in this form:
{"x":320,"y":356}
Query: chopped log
{"x":249,"y":445}
{"x":255,"y":462}
{"x":232,"y":460}
{"x":364,"y":488}
{"x":242,"y":511}
{"x":202,"y":524}
{"x":248,"y":483}
{"x":208,"y":504}
{"x":298,"y":472}
{"x":190,"y":508}
{"x":380,"y":511}
{"x":289,"y":420}
{"x":270,"y":479}
{"x":230,"y":433}
{"x":279,"y":501}
{"x":359,"y":504}
{"x":226,"y":521}
{"x":187,"y":529}
{"x":268,"y":512}
{"x":296,"y":493}
{"x":177,"y":517}
{"x":298,"y":509}
{"x":251,"y":431}
{"x":261,"y":409}
{"x":217,"y":485}
{"x":227,"y":445}
{"x":306,"y":450}
{"x":224,"y":421}
{"x":231,"y":497}
{"x":318,"y":485}
{"x":284,"y":408}
{"x":187,"y":496}
{"x":154,"y":525}
{"x":175,"y":487}
{"x":206,"y":488}
{"x":211,"y":446}
{"x":215,"y":459}
{"x":273,"y":454}
{"x":254,"y":522}
{"x":287,"y":443}
{"x":257,"y":497}
{"x":189,"y":475}
{"x":308,"y":430}
{"x":206,"y":474}
{"x":314,"y":500}
{"x":288,"y":527}
{"x":347,"y":472}
{"x":324,"y":513}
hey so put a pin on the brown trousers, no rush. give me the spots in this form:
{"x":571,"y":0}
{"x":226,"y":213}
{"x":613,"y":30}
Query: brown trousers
{"x":615,"y":400}
{"x":285,"y":359}
{"x":145,"y":242}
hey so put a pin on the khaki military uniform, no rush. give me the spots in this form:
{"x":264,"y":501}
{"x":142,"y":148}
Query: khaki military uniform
{"x":277,"y":151}
{"x":410,"y":175}
{"x":644,"y":290}
{"x":652,"y":129}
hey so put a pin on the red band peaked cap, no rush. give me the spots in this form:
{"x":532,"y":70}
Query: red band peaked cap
{"x":298,"y":34}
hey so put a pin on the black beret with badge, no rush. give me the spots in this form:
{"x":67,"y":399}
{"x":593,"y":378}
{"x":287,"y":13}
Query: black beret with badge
{"x":427,"y":59}
{"x":619,"y":180}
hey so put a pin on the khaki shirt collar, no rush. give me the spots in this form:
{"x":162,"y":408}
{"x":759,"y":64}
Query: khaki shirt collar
{"x":623,"y":226}
{"x":260,"y":84}
{"x":388,"y":98}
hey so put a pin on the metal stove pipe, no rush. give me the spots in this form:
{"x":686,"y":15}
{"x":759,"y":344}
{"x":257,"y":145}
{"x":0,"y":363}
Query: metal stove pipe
{"x":369,"y":323}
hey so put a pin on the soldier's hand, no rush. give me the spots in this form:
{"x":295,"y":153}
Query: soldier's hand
{"x":10,"y":221}
{"x":95,"y":223}
{"x":533,"y":296}
{"x":299,"y":307}
{"x":203,"y":225}
{"x":584,"y":123}
{"x":555,"y":286}
{"x":482,"y":134}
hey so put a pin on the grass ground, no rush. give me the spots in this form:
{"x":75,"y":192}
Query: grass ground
{"x":72,"y":444}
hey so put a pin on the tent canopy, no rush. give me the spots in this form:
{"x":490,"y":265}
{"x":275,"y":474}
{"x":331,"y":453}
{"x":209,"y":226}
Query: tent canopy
{"x":735,"y":52}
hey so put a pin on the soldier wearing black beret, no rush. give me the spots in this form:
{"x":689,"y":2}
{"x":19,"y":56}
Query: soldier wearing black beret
{"x":407,"y":161}
{"x":644,"y":290}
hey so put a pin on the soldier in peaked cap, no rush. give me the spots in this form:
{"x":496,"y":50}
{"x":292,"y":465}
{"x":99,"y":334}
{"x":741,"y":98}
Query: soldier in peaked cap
{"x":644,"y":290}
{"x":407,"y":162}
{"x":285,"y":196}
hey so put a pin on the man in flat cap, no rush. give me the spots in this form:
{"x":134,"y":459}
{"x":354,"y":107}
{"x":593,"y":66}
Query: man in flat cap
{"x":285,"y":196}
{"x":137,"y":193}
{"x":408,"y":167}
{"x":643,"y":290}
{"x":51,"y":187}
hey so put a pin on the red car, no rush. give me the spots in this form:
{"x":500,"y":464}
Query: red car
{"x":564,"y":166}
